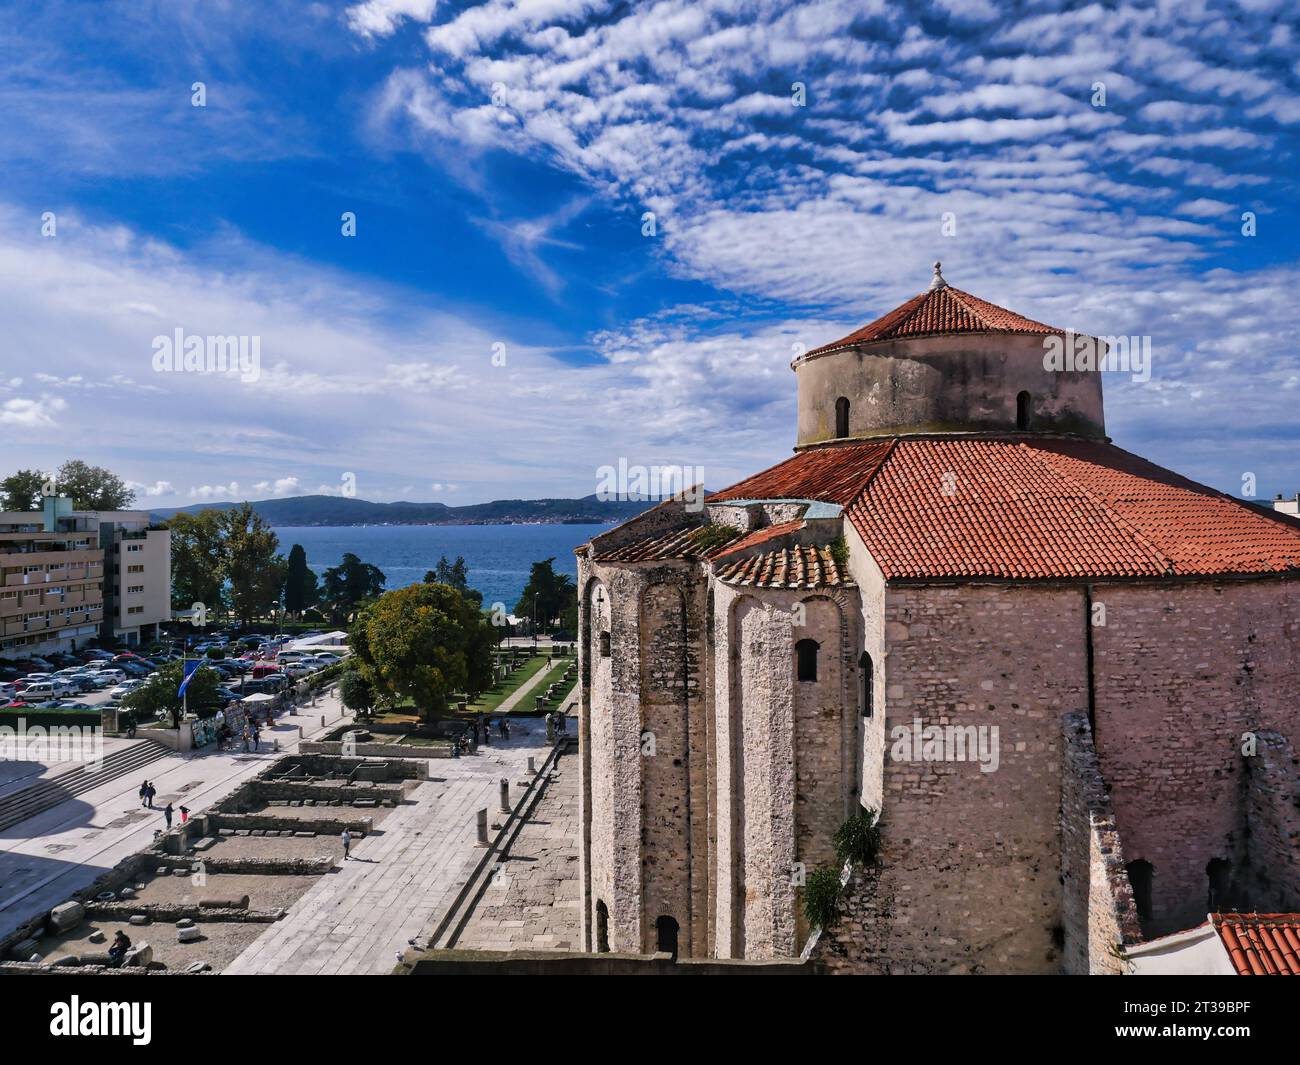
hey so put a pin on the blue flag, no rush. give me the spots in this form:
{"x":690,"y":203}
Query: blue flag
{"x":191,"y":666}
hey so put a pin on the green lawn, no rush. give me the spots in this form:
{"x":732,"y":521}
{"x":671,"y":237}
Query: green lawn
{"x":528,"y":704}
{"x":485,"y":703}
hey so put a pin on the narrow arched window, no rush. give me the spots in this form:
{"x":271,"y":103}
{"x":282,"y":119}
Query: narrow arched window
{"x":1140,"y":875}
{"x":805,"y":652}
{"x":1023,"y":411}
{"x":1219,"y":873}
{"x":604,"y":645}
{"x":867,"y":669}
{"x":842,"y":417}
{"x":666,"y":929}
{"x":602,"y":927}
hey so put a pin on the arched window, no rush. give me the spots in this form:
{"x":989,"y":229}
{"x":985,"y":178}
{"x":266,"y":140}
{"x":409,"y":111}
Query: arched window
{"x":1219,"y":872}
{"x":842,"y":416}
{"x":868,"y":670}
{"x":1023,"y":411}
{"x":666,"y":929}
{"x":805,"y":652}
{"x":1140,"y":875}
{"x":604,"y":645}
{"x":602,"y":927}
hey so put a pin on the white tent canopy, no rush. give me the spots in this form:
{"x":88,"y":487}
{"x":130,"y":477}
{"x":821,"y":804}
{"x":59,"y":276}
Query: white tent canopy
{"x":258,"y":697}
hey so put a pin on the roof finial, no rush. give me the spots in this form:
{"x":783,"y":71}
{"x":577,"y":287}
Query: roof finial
{"x":937,"y":282}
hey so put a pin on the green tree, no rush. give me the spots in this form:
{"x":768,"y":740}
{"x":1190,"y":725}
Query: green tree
{"x":423,"y":642}
{"x":92,"y":487}
{"x":455,"y":574}
{"x":255,"y":572}
{"x":300,"y":586}
{"x":357,"y":693}
{"x":349,"y":584}
{"x":546,"y":595}
{"x":22,"y":490}
{"x":198,"y":559}
{"x":158,"y":693}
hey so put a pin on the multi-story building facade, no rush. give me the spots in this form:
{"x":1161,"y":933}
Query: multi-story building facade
{"x":70,"y":576}
{"x":51,"y":584}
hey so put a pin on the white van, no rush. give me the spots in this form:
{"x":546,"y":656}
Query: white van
{"x":43,"y":689}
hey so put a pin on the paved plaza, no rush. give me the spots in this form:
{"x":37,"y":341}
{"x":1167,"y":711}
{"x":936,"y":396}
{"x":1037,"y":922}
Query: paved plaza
{"x":404,"y":876}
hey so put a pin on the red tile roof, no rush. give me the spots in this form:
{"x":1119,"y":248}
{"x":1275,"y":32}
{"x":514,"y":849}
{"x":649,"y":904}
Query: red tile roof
{"x":1261,"y":944}
{"x":693,"y":542}
{"x":830,"y":475}
{"x":786,"y":567}
{"x":939,"y":312}
{"x":1027,"y":507}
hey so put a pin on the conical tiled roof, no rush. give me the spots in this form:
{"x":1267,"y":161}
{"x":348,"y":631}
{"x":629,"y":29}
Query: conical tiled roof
{"x":940,"y":311}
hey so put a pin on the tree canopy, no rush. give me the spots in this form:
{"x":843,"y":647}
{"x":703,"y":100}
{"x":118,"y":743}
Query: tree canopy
{"x":22,"y":490}
{"x":547,"y":594}
{"x":423,"y":642}
{"x":159,"y":692}
{"x":92,"y":487}
{"x":300,"y":585}
{"x":349,"y":584}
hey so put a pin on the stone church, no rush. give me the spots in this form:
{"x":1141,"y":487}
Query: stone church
{"x":1066,"y":680}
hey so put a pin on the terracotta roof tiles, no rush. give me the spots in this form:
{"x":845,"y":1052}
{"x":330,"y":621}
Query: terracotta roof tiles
{"x":1261,"y":944}
{"x":939,"y":312}
{"x":787,"y":567}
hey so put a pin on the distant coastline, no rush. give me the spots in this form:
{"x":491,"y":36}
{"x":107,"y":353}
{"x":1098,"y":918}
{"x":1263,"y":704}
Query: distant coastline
{"x":340,"y":511}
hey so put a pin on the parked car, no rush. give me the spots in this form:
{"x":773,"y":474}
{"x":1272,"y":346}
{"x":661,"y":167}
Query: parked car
{"x":124,"y":689}
{"x":111,"y":676}
{"x":44,"y":689}
{"x":24,"y":682}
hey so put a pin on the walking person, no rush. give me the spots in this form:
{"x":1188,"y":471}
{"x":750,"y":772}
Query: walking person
{"x":257,"y":736}
{"x":148,"y":796}
{"x":167,"y":816}
{"x":347,"y":843}
{"x":144,"y":794}
{"x":185,"y":814}
{"x":245,"y":738}
{"x":504,"y":728}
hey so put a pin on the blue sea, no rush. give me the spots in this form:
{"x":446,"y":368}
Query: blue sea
{"x":498,"y":556}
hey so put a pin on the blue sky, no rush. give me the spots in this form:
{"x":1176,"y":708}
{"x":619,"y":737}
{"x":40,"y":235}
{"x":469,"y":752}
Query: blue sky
{"x":500,"y":158}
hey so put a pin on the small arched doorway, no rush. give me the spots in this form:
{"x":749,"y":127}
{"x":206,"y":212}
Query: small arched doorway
{"x":842,"y":417}
{"x":1024,"y":410}
{"x":1141,"y":873}
{"x":666,"y":929}
{"x":1219,"y":874}
{"x":805,"y":652}
{"x":868,"y":670}
{"x":602,"y":927}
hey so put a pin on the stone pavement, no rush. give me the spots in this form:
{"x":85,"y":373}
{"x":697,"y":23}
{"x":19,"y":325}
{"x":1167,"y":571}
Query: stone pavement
{"x":533,"y":902}
{"x":47,"y":857}
{"x":359,"y":918}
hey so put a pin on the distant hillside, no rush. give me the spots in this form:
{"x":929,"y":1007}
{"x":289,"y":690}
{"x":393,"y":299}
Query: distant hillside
{"x":339,"y":510}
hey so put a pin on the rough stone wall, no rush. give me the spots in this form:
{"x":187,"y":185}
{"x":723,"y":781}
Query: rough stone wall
{"x":824,"y":740}
{"x":1273,"y":818}
{"x":673,"y":760}
{"x":943,"y":384}
{"x":872,"y":740}
{"x":1098,"y":916}
{"x":1182,"y":671}
{"x":785,"y":758}
{"x":971,"y":858}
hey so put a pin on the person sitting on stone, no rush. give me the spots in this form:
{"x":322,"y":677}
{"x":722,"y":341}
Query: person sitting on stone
{"x":117,"y":952}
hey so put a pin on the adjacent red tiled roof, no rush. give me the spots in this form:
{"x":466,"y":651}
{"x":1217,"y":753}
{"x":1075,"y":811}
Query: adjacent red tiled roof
{"x":1261,"y":944}
{"x":939,"y":312}
{"x":787,"y":567}
{"x":761,"y":536}
{"x":693,"y":542}
{"x":1028,"y":507}
{"x":830,"y":475}
{"x":1047,"y":508}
